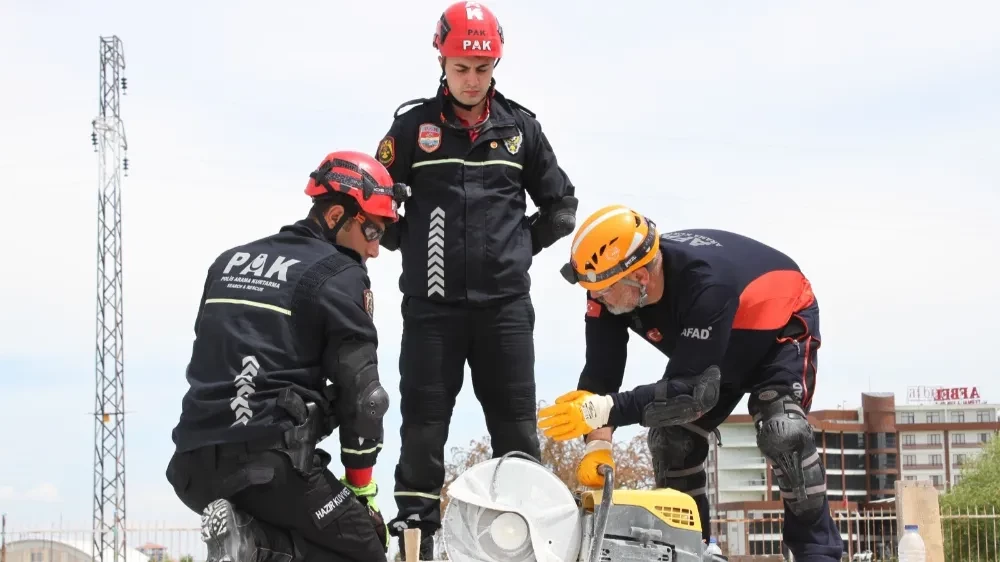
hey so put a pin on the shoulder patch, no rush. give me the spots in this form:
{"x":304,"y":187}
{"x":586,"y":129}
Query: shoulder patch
{"x":369,"y":303}
{"x":593,"y":308}
{"x":387,"y":151}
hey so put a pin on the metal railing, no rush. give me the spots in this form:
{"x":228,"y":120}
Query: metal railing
{"x":969,"y":535}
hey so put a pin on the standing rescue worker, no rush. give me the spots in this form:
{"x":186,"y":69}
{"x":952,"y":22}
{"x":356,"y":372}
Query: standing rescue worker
{"x":734,"y":316}
{"x":473,"y":158}
{"x":279,"y":319}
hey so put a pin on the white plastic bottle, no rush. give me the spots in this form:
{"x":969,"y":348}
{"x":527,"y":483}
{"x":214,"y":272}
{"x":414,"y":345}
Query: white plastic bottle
{"x":911,"y":546}
{"x":713,"y":548}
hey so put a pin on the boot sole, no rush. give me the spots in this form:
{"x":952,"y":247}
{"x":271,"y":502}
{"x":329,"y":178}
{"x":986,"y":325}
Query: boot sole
{"x":219,"y":532}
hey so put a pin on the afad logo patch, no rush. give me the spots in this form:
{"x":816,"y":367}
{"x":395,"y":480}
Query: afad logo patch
{"x":429,"y":137}
{"x":593,"y":309}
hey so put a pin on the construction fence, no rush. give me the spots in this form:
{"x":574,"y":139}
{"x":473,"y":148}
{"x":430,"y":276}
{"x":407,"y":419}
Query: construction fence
{"x":971,"y":535}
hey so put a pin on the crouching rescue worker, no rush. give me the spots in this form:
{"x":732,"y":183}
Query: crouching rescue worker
{"x":473,"y":158}
{"x":284,"y":353}
{"x":734,"y":316}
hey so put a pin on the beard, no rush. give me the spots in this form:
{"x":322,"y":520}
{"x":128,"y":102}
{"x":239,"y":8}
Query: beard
{"x":629,"y":302}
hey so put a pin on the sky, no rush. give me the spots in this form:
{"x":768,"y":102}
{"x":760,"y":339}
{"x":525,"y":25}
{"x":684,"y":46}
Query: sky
{"x":858,"y":137}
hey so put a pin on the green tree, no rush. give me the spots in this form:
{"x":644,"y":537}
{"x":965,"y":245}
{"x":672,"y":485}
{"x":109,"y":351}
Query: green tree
{"x":965,"y":536}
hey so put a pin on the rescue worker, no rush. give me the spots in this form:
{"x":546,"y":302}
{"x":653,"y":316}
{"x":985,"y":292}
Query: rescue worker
{"x":473,"y":157}
{"x":733,"y":316}
{"x":284,"y":353}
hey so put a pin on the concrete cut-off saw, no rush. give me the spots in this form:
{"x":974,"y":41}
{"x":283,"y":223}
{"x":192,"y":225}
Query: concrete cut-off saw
{"x":513,"y":509}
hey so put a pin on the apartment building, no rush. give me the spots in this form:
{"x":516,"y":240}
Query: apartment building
{"x":865,"y":449}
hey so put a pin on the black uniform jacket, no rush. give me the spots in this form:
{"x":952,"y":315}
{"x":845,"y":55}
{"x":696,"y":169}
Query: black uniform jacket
{"x":726,"y":297}
{"x":272,"y":317}
{"x":465,"y":236}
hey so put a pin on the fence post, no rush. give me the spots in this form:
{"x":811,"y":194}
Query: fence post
{"x":917,"y":504}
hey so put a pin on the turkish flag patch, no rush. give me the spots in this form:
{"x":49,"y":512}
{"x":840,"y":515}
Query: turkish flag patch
{"x":593,"y":308}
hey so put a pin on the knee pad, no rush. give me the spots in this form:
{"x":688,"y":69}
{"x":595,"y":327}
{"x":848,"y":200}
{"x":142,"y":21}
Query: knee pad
{"x":785,"y":437}
{"x":678,"y":459}
{"x":681,"y":400}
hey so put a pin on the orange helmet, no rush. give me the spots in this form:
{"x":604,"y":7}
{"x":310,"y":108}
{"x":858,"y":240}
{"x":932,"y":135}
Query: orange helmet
{"x":613,"y":242}
{"x":468,"y":29}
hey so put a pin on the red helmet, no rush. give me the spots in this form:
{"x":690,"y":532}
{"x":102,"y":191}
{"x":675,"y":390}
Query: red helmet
{"x":363,"y":178}
{"x":469,"y":29}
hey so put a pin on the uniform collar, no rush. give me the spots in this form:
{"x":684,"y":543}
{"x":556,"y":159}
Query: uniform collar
{"x":311,"y":229}
{"x":498,"y":111}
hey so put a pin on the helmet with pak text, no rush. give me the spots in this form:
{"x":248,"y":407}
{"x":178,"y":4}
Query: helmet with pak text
{"x":361,"y":177}
{"x":468,"y":29}
{"x":613,"y":242}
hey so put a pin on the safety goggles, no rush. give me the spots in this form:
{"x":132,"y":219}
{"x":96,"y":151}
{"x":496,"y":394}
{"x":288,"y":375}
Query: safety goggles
{"x":372,"y":231}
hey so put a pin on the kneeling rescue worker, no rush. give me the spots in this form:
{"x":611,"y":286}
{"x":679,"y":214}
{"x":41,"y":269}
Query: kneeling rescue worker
{"x":474,"y":158}
{"x":284,"y":353}
{"x":734,"y":316}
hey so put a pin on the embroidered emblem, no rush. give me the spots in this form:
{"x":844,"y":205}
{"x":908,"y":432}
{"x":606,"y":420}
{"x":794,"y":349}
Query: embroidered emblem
{"x":429,"y":137}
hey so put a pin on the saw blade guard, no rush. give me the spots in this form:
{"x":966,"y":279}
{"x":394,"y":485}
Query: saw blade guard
{"x":512,"y":510}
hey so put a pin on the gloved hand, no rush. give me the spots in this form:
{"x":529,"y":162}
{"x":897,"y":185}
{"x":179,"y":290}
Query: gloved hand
{"x":598,"y":452}
{"x":366,"y":495}
{"x":575,"y":414}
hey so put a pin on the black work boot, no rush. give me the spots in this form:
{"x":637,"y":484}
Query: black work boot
{"x":228,"y":533}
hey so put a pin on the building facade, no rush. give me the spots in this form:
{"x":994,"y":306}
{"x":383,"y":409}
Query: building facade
{"x":865,"y":450}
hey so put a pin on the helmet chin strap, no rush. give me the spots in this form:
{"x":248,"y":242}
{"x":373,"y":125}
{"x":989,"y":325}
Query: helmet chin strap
{"x":643,"y":295}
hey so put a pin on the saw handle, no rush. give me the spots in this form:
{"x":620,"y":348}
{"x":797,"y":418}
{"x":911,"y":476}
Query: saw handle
{"x":601,"y":515}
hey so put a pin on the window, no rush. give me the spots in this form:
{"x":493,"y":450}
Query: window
{"x":984,"y":416}
{"x":960,"y":459}
{"x":854,"y":440}
{"x":933,"y":417}
{"x":957,"y":438}
{"x":907,"y":417}
{"x":936,"y":479}
{"x":936,"y":459}
{"x":910,"y":477}
{"x":958,"y":478}
{"x":958,"y":417}
{"x":934,"y":439}
{"x":882,"y":481}
{"x":882,"y":461}
{"x":909,"y":439}
{"x":984,"y":437}
{"x":909,"y":460}
{"x":37,"y":556}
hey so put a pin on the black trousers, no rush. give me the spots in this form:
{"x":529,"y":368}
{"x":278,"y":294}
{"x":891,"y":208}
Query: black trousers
{"x":309,"y":517}
{"x":498,"y":343}
{"x":679,"y":452}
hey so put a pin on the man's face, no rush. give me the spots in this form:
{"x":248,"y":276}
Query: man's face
{"x":362,"y":234}
{"x":469,"y":77}
{"x":620,"y":298}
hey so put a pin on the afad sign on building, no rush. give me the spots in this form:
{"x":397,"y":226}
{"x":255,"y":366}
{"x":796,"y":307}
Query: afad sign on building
{"x":943,"y":395}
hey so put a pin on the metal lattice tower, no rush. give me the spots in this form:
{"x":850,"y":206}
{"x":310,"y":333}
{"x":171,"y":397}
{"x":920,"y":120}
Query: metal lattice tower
{"x":110,"y":144}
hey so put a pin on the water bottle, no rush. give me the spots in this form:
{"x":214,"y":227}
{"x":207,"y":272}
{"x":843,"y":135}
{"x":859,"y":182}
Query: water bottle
{"x":713,"y":549}
{"x":911,"y":546}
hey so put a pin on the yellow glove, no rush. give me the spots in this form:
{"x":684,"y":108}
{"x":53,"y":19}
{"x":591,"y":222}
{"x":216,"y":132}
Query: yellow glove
{"x":575,"y":414}
{"x":598,"y":452}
